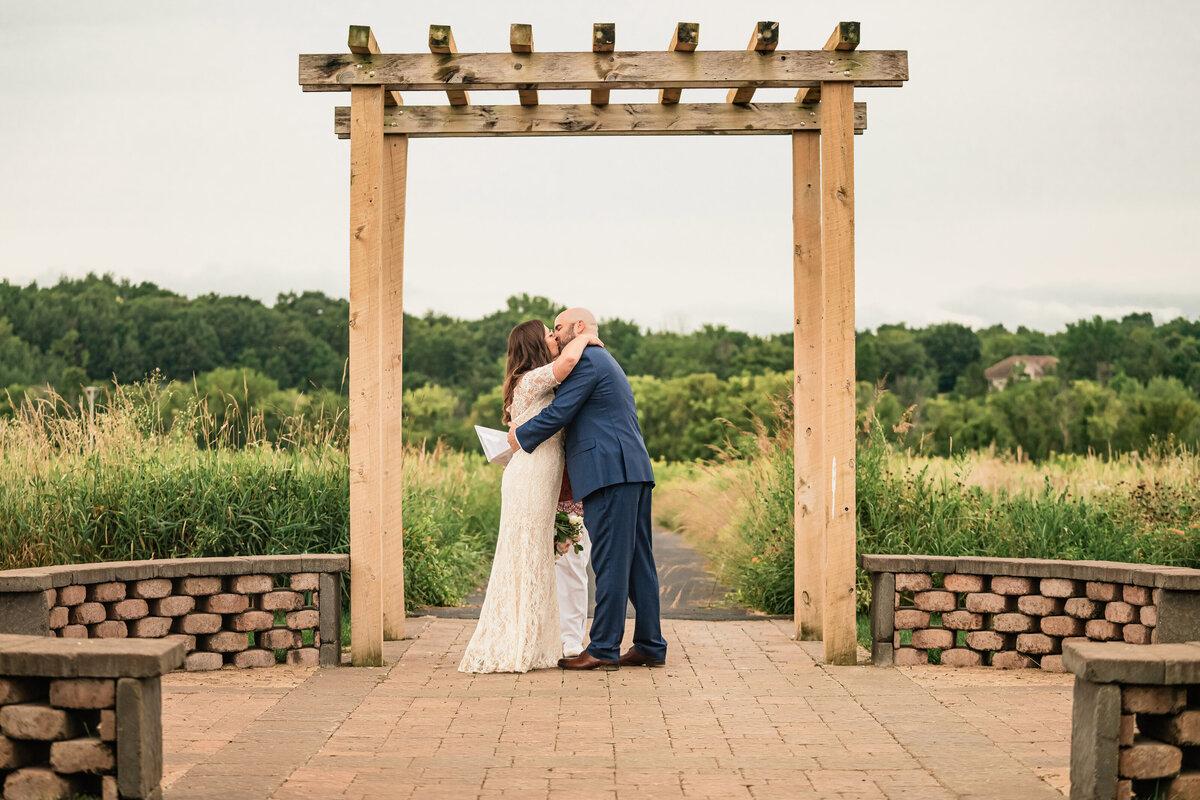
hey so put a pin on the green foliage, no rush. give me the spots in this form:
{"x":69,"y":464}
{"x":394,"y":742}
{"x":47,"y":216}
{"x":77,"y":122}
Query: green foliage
{"x":952,"y":348}
{"x":914,"y":512}
{"x":123,"y":331}
{"x":1121,"y":384}
{"x":140,"y":487}
{"x":1054,"y":415}
{"x":686,"y":418}
{"x":761,"y":564}
{"x":905,"y":511}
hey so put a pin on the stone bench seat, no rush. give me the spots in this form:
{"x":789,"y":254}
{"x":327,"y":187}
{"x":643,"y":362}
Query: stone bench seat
{"x":247,"y":611}
{"x":82,"y":716}
{"x":1021,"y":612}
{"x":1135,"y":720}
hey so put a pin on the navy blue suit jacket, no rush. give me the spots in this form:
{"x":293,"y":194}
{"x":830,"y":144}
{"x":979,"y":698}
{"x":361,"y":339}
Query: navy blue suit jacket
{"x":604,"y":443}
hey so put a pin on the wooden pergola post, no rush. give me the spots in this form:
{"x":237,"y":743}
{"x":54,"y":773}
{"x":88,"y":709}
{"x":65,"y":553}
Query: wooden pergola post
{"x":839,"y":629}
{"x":366,"y":328}
{"x":395,"y":181}
{"x":821,"y":121}
{"x":378,"y":174}
{"x":808,"y":392}
{"x":820,"y":438}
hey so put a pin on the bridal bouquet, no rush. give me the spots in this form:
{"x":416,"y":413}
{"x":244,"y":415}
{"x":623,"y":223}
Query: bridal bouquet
{"x":568,"y":530}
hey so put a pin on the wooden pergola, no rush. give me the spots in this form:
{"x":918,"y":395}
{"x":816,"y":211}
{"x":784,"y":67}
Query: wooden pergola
{"x":821,"y":121}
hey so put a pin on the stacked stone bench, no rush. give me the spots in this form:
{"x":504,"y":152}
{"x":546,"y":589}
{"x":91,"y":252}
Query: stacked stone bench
{"x":1014,"y":613}
{"x":1135,"y":721}
{"x":225,"y":611}
{"x":82,"y":717}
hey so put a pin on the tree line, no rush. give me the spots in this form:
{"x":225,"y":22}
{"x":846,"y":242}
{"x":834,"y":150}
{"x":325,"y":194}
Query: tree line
{"x":291,"y":358}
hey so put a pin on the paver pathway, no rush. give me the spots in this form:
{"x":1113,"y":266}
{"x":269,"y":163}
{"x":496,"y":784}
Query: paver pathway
{"x":740,"y":711}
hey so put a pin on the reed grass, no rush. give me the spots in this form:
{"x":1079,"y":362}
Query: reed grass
{"x":737,"y":508}
{"x":140,"y":483}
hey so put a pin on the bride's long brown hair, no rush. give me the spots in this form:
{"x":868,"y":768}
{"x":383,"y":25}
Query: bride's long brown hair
{"x":527,"y":349}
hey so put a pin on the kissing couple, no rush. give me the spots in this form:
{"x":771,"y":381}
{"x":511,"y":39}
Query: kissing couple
{"x":591,"y":424}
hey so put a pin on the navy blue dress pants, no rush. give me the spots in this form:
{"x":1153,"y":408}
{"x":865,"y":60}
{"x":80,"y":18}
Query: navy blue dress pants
{"x":618,"y":521}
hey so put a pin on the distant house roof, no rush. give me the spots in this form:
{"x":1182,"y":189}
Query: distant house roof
{"x":1035,"y":367}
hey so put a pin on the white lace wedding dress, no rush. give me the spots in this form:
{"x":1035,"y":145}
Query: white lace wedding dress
{"x":518,"y":625}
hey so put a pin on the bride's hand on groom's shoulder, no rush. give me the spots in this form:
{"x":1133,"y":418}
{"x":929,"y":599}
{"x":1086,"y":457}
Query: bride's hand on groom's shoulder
{"x":594,"y":339}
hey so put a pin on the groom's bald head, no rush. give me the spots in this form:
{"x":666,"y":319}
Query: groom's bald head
{"x":573,"y":322}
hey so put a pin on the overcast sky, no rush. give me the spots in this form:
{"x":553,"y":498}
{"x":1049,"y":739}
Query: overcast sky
{"x":1040,"y":165}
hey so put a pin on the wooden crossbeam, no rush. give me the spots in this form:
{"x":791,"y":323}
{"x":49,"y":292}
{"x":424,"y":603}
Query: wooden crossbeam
{"x":655,"y":69}
{"x":520,"y":40}
{"x":648,"y":119}
{"x":361,"y":41}
{"x":684,"y":40}
{"x":604,"y":40}
{"x":764,"y":40}
{"x":441,"y":42}
{"x":845,"y":36}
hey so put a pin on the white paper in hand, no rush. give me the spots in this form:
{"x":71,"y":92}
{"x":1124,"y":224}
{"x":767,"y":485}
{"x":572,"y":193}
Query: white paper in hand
{"x":495,"y":444}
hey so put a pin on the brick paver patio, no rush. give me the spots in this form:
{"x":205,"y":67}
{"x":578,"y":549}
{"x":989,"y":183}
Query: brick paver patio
{"x":740,"y":711}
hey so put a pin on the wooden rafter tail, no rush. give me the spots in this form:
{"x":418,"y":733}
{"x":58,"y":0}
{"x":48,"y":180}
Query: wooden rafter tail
{"x":361,"y":41}
{"x":846,"y":36}
{"x":585,"y":119}
{"x":520,"y":40}
{"x":684,"y":40}
{"x":441,"y":41}
{"x":764,"y":40}
{"x":604,"y":40}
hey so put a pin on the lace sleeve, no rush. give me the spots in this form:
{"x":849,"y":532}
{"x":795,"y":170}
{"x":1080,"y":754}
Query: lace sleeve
{"x":538,"y":381}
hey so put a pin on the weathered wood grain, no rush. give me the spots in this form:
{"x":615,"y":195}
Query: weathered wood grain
{"x":604,"y":40}
{"x":808,"y":301}
{"x":764,"y":39}
{"x":391,"y":311}
{"x":520,"y":40}
{"x":361,"y":40}
{"x":838,"y":629}
{"x":844,"y":37}
{"x":684,"y":40}
{"x":366,"y":255}
{"x":647,"y":119}
{"x":604,"y":37}
{"x":441,"y":42}
{"x":656,"y":69}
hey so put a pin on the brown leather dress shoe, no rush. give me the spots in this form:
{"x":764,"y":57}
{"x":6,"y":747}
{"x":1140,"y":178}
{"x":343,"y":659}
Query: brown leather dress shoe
{"x":585,"y":660}
{"x":636,"y":658}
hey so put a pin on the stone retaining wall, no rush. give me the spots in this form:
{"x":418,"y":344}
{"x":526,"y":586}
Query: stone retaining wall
{"x":1012,"y":613}
{"x":1135,"y":726}
{"x":82,"y":717}
{"x":239,"y":611}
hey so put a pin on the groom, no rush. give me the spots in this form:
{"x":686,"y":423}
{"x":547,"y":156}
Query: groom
{"x":609,"y":468}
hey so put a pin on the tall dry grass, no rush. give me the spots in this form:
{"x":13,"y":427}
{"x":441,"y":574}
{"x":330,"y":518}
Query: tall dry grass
{"x":1083,"y":476}
{"x":143,"y":483}
{"x":737,"y":508}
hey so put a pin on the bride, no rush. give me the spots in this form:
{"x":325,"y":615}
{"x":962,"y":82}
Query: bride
{"x":518,"y":626}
